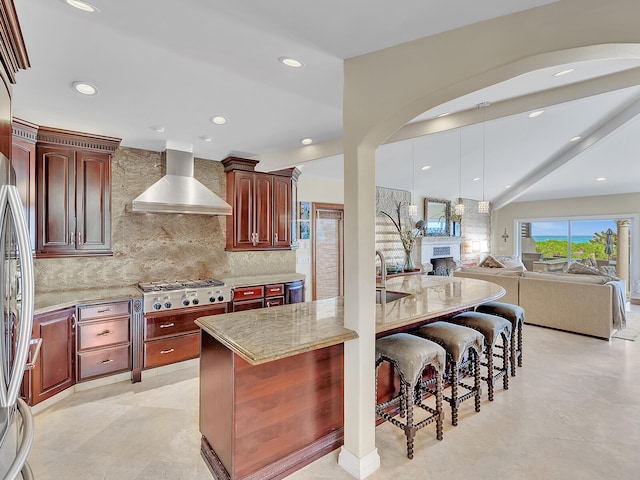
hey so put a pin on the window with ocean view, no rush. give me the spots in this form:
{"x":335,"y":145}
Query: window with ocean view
{"x":570,"y":239}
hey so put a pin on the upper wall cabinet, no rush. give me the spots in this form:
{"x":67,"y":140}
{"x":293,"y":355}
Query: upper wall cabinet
{"x":23,"y":160}
{"x":263,"y":206}
{"x":73,"y":204}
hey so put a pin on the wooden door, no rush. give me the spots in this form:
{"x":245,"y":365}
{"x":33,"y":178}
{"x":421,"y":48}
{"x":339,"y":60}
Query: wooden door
{"x":93,"y":202}
{"x":55,"y":172}
{"x":243,"y":209}
{"x":327,"y":263}
{"x":263,"y":198}
{"x":54,"y":369}
{"x":282,"y":211}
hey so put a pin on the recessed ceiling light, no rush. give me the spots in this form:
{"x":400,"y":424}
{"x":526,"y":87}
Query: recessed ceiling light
{"x":291,"y":62}
{"x":535,"y":114}
{"x":600,"y":179}
{"x":575,"y":139}
{"x":507,"y":186}
{"x":158,"y":128}
{"x":563,"y":72}
{"x":218,"y":120}
{"x":444,"y":114}
{"x":84,"y":6}
{"x":426,"y":167}
{"x":205,"y":138}
{"x":85,"y":88}
{"x":476,"y":179}
{"x":306,"y":141}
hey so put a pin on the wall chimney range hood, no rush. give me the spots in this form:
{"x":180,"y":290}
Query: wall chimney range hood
{"x":178,"y":191}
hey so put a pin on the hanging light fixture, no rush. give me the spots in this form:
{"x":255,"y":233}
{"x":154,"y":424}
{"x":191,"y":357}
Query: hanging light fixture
{"x":413,"y":208}
{"x":483,"y":205}
{"x":459,"y":208}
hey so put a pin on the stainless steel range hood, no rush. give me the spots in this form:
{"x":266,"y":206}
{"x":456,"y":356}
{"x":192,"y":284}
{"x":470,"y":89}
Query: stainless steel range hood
{"x":178,"y":191}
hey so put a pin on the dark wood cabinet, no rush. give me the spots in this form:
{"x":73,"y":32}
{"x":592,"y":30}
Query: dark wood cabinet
{"x":263,"y":207}
{"x":54,"y":369}
{"x":73,"y":177}
{"x":23,"y":160}
{"x":271,"y":295}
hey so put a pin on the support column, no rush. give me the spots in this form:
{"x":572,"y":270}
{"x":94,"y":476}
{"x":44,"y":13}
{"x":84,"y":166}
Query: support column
{"x":622,"y":256}
{"x":359,"y":455}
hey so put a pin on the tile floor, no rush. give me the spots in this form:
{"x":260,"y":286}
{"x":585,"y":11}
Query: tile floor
{"x":572,"y":412}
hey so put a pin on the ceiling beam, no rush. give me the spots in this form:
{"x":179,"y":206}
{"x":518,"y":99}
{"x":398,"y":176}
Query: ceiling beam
{"x":606,"y":127}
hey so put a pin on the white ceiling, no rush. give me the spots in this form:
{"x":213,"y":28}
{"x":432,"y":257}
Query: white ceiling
{"x":175,"y":64}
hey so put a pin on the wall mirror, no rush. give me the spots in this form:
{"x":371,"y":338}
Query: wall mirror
{"x":437,"y":216}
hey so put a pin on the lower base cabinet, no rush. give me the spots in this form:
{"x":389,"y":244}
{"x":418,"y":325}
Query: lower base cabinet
{"x":54,"y":369}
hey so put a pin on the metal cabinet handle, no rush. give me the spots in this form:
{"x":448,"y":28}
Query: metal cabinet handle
{"x":105,"y":333}
{"x":163,"y":352}
{"x":167,"y":325}
{"x":104,"y":362}
{"x":79,"y":238}
{"x":276,"y":237}
{"x":34,"y":358}
{"x":105,"y":310}
{"x":72,"y":238}
{"x":73,"y":321}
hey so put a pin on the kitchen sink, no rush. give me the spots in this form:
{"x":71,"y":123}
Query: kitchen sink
{"x":389,"y":296}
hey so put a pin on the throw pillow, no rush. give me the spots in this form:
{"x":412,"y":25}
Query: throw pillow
{"x":581,"y":268}
{"x":491,"y":262}
{"x":511,"y":262}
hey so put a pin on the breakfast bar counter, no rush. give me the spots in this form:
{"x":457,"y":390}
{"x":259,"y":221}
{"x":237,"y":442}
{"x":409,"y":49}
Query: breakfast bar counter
{"x":271,"y":379}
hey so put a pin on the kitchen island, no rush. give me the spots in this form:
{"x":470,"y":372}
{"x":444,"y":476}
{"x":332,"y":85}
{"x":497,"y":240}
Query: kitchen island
{"x":271,"y":380}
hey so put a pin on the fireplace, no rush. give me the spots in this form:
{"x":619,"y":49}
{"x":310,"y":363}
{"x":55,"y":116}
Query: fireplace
{"x":442,"y":266}
{"x":440,"y":253}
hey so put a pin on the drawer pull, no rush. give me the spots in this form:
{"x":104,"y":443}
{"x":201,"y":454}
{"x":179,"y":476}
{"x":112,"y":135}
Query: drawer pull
{"x":167,"y":325}
{"x":104,"y":311}
{"x":104,"y":362}
{"x":248,"y":292}
{"x":164,"y":352}
{"x":105,"y":333}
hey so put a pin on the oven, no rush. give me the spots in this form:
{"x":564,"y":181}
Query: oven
{"x":169,"y":332}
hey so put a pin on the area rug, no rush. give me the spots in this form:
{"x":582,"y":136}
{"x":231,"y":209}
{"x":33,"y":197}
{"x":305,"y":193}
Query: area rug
{"x":633,"y":327}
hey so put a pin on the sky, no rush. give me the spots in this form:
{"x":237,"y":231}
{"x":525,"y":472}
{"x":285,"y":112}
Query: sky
{"x":578,"y":227}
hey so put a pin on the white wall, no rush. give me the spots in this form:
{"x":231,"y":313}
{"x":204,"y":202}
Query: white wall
{"x":314,"y":189}
{"x":613,"y":206}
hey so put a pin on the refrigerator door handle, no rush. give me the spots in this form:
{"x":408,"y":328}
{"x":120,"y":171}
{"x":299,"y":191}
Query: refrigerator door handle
{"x":34,"y":358}
{"x":13,"y":202}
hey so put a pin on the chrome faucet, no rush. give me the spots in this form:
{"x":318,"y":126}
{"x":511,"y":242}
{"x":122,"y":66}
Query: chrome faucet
{"x":383,"y":274}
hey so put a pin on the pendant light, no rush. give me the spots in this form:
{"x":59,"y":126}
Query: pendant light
{"x":483,"y":205}
{"x":459,"y":208}
{"x":413,"y":208}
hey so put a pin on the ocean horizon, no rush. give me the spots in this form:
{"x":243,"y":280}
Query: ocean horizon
{"x":574,"y":238}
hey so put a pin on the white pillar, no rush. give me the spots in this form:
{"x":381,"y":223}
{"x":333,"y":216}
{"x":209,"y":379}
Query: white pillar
{"x":622,"y":254}
{"x":359,"y":455}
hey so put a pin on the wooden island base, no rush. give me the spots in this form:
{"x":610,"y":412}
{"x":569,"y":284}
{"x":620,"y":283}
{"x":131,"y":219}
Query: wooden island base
{"x":267,"y":421}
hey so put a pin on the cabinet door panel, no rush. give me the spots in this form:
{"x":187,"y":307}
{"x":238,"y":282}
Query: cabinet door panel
{"x":23,"y":160}
{"x":56,"y":199}
{"x":93,"y":201}
{"x":243,"y":210}
{"x":281,"y":211}
{"x":264,"y":209}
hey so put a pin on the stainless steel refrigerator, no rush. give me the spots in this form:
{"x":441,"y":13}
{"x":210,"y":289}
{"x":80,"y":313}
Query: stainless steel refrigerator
{"x":16,"y":299}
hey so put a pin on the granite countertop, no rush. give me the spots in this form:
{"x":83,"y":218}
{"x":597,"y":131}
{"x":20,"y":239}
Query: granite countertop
{"x":250,"y":280}
{"x":56,"y":300}
{"x":268,"y":334}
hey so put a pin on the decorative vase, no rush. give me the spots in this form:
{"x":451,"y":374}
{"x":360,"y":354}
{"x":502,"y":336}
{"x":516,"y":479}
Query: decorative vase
{"x":408,"y":261}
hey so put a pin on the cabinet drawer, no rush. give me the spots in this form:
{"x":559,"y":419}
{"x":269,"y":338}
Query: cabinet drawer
{"x":273,"y":301}
{"x":158,"y":327}
{"x":274,"y":290}
{"x":104,"y":361}
{"x":248,"y":305}
{"x":103,"y":310}
{"x":171,"y":350}
{"x":245,"y":293}
{"x":102,"y":334}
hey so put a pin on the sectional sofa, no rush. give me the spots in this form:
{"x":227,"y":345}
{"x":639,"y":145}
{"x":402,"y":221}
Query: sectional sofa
{"x":580,"y":303}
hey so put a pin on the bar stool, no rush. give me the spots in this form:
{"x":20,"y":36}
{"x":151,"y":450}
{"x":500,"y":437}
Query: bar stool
{"x":463,"y":346}
{"x":515,"y":314}
{"x":492,"y":328}
{"x":410,"y":355}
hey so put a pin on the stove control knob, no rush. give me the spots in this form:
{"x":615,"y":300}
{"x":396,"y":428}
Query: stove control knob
{"x":212,"y":299}
{"x":167,"y":304}
{"x":195,"y":301}
{"x":185,"y":302}
{"x":157,"y":306}
{"x":220,"y":298}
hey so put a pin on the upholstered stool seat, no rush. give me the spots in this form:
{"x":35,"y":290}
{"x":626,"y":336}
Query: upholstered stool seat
{"x":410,"y":355}
{"x":515,"y":314}
{"x":493,"y":328}
{"x":463,"y":346}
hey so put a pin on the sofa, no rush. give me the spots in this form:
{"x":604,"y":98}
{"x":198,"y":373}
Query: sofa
{"x":580,"y":303}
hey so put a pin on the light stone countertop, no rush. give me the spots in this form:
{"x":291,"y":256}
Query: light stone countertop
{"x":250,"y":280}
{"x":268,"y":334}
{"x":57,"y":300}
